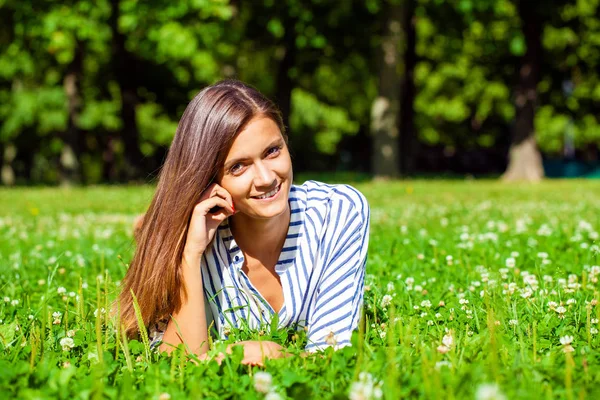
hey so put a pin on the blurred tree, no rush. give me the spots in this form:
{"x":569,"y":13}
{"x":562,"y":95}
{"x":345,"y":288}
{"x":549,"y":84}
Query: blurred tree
{"x":386,"y":107}
{"x":463,"y":73}
{"x":525,"y":160}
{"x":408,"y":141}
{"x":569,"y":91}
{"x":92,"y":91}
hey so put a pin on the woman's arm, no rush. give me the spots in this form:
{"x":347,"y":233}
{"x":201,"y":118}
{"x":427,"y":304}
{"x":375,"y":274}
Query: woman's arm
{"x":188,"y":325}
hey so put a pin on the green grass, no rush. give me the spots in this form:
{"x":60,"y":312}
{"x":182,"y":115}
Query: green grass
{"x":480,"y":262}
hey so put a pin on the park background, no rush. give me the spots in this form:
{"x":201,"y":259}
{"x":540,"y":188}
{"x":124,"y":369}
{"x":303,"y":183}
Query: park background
{"x":474,"y":288}
{"x":91,"y":91}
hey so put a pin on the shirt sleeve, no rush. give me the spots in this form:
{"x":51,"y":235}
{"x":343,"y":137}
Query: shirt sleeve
{"x":339,"y":295}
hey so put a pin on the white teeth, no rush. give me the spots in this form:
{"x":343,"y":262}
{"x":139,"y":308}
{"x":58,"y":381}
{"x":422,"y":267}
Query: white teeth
{"x":271,"y":193}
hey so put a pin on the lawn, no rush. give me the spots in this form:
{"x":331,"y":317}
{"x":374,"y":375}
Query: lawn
{"x":474,"y":290}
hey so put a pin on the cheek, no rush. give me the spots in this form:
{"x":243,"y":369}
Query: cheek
{"x":237,"y":188}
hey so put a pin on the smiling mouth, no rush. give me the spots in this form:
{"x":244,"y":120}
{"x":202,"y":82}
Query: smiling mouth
{"x":270,"y":194}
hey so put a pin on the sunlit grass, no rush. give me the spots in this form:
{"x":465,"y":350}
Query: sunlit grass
{"x":473,"y":289}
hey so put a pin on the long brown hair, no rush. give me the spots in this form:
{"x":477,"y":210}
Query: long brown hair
{"x":203,"y":137}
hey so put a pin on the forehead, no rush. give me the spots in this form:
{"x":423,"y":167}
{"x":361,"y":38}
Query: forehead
{"x":257,"y":134}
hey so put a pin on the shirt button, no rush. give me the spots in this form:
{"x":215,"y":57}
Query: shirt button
{"x":237,"y":258}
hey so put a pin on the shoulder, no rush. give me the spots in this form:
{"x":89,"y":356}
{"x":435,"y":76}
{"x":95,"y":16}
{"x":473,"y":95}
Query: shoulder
{"x":338,"y":197}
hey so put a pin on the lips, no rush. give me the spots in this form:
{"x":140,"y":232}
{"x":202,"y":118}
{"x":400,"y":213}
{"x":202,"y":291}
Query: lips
{"x":268,"y":195}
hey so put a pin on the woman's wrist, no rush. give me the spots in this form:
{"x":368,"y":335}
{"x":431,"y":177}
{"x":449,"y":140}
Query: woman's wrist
{"x":191,"y":258}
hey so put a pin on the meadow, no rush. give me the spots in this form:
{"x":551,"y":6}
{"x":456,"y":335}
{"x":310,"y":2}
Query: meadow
{"x":475,"y":290}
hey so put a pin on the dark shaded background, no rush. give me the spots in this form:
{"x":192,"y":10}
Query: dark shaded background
{"x":91,"y":91}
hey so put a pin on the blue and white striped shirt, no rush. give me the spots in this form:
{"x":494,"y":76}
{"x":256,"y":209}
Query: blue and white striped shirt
{"x":321,"y":268}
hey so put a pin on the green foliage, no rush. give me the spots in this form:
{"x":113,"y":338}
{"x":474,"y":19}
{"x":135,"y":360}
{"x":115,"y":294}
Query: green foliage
{"x":328,"y":123}
{"x":468,"y":57}
{"x":480,"y":262}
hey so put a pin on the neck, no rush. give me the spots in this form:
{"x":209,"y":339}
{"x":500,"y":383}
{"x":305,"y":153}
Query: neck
{"x":260,"y":237}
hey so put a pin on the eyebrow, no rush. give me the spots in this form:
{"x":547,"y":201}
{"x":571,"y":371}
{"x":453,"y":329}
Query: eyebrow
{"x":230,"y":163}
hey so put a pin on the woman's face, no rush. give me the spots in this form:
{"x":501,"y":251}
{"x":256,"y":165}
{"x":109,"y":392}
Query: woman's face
{"x":258,"y":170}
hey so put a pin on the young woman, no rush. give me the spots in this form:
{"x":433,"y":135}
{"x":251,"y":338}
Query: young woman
{"x":229,"y":241}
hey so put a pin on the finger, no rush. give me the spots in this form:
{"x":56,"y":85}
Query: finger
{"x":218,"y":190}
{"x":204,"y":207}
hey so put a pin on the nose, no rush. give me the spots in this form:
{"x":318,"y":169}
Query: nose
{"x":264,"y":177}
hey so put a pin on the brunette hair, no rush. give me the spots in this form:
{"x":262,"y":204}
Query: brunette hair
{"x":203,"y":137}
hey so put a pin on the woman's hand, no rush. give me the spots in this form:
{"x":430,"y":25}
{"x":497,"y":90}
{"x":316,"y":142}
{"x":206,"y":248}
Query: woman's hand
{"x":214,"y":207}
{"x":255,"y":352}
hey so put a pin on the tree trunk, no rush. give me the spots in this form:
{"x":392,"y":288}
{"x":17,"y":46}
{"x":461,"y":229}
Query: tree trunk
{"x":124,"y":65}
{"x":69,"y":164}
{"x":408,"y":142}
{"x":386,"y":107}
{"x":7,"y":173}
{"x":525,"y":160}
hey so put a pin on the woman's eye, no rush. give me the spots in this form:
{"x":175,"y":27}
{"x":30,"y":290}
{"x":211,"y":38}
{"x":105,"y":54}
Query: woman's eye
{"x":273,"y":150}
{"x":235,"y":168}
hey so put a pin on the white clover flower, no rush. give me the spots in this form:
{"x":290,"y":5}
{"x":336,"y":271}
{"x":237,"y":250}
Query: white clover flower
{"x":438,"y":315}
{"x":448,"y":340}
{"x":61,"y":290}
{"x":594,"y":331}
{"x":526,"y":293}
{"x":273,"y":396}
{"x":566,"y":340}
{"x":510,"y":262}
{"x":443,"y":349}
{"x":14,"y":302}
{"x":366,"y":388}
{"x":263,"y":381}
{"x":571,"y":301}
{"x":67,"y":343}
{"x":513,"y":322}
{"x":6,"y":299}
{"x":440,"y":364}
{"x":426,"y":304}
{"x":331,"y":339}
{"x":70,"y":333}
{"x":382,"y":334}
{"x":489,"y":391}
{"x":463,"y":301}
{"x":30,"y":317}
{"x":391,"y":287}
{"x":386,"y":300}
{"x":102,"y":312}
